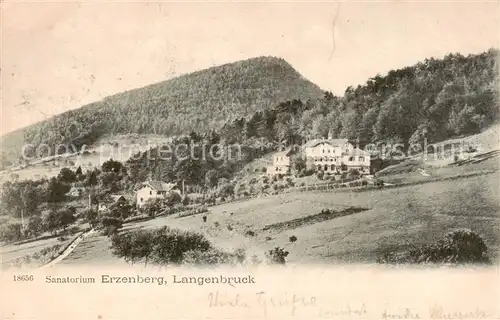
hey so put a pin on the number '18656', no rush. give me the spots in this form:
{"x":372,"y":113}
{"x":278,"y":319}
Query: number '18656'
{"x":24,"y":277}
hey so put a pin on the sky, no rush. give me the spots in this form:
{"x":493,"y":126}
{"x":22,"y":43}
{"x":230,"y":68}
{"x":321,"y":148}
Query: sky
{"x":57,"y":56}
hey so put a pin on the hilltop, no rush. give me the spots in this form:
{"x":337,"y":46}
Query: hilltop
{"x":201,"y":100}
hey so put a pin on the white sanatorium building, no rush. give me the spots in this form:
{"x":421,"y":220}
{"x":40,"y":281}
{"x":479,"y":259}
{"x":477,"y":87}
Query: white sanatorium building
{"x":336,"y":155}
{"x":328,"y":155}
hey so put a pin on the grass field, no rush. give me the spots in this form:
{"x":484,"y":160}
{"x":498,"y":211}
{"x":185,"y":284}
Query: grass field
{"x":422,"y":211}
{"x":419,"y":213}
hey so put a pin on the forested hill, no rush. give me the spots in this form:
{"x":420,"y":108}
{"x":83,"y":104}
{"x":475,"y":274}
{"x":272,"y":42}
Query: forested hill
{"x":439,"y":98}
{"x":436,"y":98}
{"x":266,"y":98}
{"x":201,"y":100}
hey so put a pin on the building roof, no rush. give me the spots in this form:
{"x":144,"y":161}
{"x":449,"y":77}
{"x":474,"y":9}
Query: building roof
{"x":332,"y":142}
{"x":116,"y":197}
{"x":112,"y":199}
{"x":286,"y":152}
{"x":160,"y":185}
{"x":358,"y":152}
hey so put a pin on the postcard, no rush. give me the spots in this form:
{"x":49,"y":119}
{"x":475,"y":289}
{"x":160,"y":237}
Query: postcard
{"x":250,"y":160}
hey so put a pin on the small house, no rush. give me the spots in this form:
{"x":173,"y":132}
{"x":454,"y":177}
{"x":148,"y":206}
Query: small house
{"x":154,"y":189}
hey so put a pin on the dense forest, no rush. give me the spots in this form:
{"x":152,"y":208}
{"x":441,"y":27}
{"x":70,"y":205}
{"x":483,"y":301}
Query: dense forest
{"x":200,"y":100}
{"x":440,"y":98}
{"x":265,"y":98}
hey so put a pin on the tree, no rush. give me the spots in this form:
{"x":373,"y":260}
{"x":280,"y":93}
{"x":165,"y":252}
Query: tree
{"x":50,"y":221}
{"x":110,"y":224}
{"x":66,"y":175}
{"x":11,"y":232}
{"x":57,"y":190}
{"x":153,"y":206}
{"x":66,"y":216}
{"x":173,"y":198}
{"x":211,"y":178}
{"x":91,"y":178}
{"x":90,"y":215}
{"x":112,"y":166}
{"x":227,"y":190}
{"x":78,"y":171}
{"x":353,"y":174}
{"x":35,"y":225}
{"x":60,"y":218}
{"x":121,"y":211}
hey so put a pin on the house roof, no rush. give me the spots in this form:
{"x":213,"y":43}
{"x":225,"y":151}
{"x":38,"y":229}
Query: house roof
{"x":160,"y":185}
{"x":332,"y":142}
{"x":116,"y":197}
{"x":111,"y":199}
{"x":358,"y":152}
{"x":285,"y":152}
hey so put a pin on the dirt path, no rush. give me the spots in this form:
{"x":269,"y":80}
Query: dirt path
{"x":69,"y":249}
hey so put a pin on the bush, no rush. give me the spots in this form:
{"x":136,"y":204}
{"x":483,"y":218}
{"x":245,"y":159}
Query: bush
{"x":353,"y":174}
{"x":213,"y":256}
{"x":320,"y":174}
{"x":161,"y":246}
{"x":255,"y":260}
{"x":110,"y":230}
{"x":292,"y":238}
{"x":11,"y":232}
{"x":109,"y":225}
{"x":171,"y":244}
{"x":277,"y":255}
{"x":250,"y":233}
{"x":308,"y":172}
{"x":229,"y":227}
{"x":457,"y":247}
{"x":209,"y":257}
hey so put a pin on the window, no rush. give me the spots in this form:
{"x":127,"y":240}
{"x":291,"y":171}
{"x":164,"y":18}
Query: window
{"x":332,"y":167}
{"x":329,"y":150}
{"x":351,"y":158}
{"x":158,"y":192}
{"x":361,"y":158}
{"x":142,"y":200}
{"x":150,"y":192}
{"x":323,"y":150}
{"x":326,"y":167}
{"x":319,"y":168}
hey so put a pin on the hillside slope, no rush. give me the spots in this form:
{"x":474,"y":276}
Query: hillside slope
{"x":201,"y":100}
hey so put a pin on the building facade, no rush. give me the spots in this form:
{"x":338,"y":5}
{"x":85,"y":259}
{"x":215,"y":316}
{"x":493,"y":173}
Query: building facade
{"x":336,"y":156}
{"x":154,"y":189}
{"x":281,"y":162}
